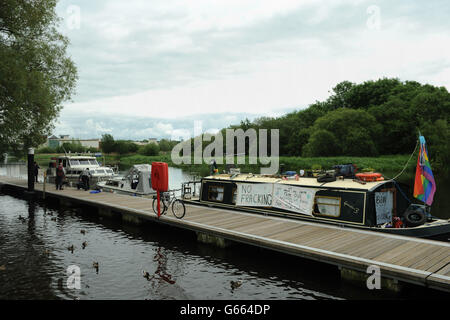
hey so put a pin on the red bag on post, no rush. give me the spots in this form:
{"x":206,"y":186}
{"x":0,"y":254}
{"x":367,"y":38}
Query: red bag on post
{"x":160,"y":179}
{"x":160,"y":176}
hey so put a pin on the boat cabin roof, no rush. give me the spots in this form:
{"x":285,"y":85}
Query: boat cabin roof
{"x":77,"y":157}
{"x":141,"y":167}
{"x":136,"y":169}
{"x":302,"y":181}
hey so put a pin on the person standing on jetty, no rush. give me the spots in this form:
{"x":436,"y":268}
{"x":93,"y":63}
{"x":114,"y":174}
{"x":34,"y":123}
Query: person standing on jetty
{"x":85,"y":177}
{"x":36,"y":171}
{"x":60,"y":174}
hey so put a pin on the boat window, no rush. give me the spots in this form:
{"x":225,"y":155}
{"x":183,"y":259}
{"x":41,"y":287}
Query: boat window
{"x":215,"y":193}
{"x":74,"y":162}
{"x":100,"y":171}
{"x":134,"y":182}
{"x":93,"y":162}
{"x":84,"y":162}
{"x":234,"y":196}
{"x":327,"y":206}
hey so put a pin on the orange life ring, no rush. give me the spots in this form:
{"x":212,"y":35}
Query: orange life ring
{"x":369,"y":177}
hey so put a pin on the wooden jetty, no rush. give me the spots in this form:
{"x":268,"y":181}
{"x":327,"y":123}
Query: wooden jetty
{"x":399,"y":258}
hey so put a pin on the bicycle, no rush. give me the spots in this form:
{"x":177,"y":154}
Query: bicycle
{"x":168,"y":199}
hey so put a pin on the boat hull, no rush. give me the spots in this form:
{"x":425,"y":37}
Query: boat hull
{"x":439,"y":228}
{"x":125,"y":192}
{"x":73,"y":180}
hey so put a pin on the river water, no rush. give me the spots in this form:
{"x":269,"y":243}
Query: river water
{"x":36,"y":242}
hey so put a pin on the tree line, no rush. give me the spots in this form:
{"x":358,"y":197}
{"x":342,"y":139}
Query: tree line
{"x":382,"y":117}
{"x":74,"y":146}
{"x":109,"y":145}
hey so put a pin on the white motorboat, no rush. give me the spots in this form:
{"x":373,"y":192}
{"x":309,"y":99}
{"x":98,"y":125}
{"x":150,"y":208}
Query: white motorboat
{"x":74,"y":165}
{"x":136,"y":182}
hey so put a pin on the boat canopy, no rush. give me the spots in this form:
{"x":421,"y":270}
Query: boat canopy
{"x":141,"y":167}
{"x":139,"y":178}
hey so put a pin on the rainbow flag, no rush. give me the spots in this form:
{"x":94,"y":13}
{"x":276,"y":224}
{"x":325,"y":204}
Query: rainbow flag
{"x":424,"y":185}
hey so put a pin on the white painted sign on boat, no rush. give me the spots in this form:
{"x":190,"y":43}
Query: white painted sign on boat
{"x":383,"y":206}
{"x":254,"y":194}
{"x":293,"y":198}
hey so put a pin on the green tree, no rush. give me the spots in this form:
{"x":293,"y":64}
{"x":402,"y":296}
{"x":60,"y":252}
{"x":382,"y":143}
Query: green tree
{"x":36,"y":74}
{"x":340,"y":98}
{"x":353,"y":132}
{"x":123,"y":147}
{"x":358,"y":142}
{"x":437,"y":135}
{"x":165,"y":145}
{"x":399,"y":125}
{"x":45,"y":150}
{"x":364,"y":95}
{"x":431,"y":103}
{"x":107,"y":143}
{"x":132,"y":147}
{"x":73,"y":146}
{"x":150,"y":149}
{"x":322,"y":143}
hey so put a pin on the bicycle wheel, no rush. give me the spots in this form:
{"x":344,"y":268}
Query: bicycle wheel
{"x":178,"y":209}
{"x":162,"y":206}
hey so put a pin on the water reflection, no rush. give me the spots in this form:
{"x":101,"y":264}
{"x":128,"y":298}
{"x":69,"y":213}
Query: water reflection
{"x":36,"y":258}
{"x":24,"y":255}
{"x":161,"y":272}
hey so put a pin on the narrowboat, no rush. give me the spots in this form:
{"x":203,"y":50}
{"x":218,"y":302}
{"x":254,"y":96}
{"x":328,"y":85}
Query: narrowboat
{"x":367,"y":202}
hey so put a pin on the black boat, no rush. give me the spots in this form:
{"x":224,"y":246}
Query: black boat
{"x":366,"y":202}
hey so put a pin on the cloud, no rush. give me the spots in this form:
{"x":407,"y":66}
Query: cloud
{"x":140,"y":128}
{"x":92,"y":125}
{"x":172,"y":60}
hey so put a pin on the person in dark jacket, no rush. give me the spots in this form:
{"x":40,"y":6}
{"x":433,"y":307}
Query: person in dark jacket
{"x":36,"y":171}
{"x":85,"y":178}
{"x":60,"y":174}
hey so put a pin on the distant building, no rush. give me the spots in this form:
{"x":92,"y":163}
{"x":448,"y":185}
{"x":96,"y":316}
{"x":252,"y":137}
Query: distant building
{"x":54,"y":142}
{"x":143,"y":143}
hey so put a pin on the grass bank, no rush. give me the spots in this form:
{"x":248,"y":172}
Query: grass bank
{"x":389,"y":165}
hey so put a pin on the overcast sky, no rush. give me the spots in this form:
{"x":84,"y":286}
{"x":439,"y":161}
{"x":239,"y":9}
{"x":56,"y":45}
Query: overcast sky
{"x":153,"y":68}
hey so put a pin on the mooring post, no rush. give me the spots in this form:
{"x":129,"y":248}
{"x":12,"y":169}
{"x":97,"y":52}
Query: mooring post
{"x":43,"y":187}
{"x":30,"y":170}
